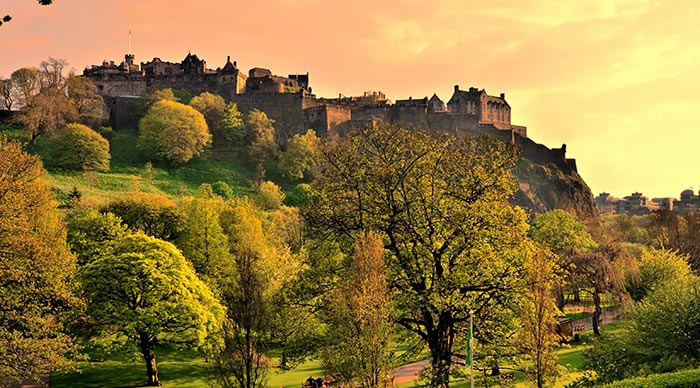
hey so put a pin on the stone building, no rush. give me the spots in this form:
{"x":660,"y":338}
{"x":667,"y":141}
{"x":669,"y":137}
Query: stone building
{"x":191,"y":74}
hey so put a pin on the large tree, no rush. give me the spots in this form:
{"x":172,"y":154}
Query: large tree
{"x":7,"y":97}
{"x":87,"y":101}
{"x":36,"y":269}
{"x":77,"y":147}
{"x":440,"y":205}
{"x":145,"y":290}
{"x":173,"y":132}
{"x":25,"y":84}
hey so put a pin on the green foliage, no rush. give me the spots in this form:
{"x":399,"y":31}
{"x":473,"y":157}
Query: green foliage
{"x":233,"y":127}
{"x":300,"y":157}
{"x":182,"y":95}
{"x":561,"y":231}
{"x":360,"y":320}
{"x":535,"y":338}
{"x":270,"y":196}
{"x":683,"y":379}
{"x":159,"y":95}
{"x":146,"y":290}
{"x":300,"y":196}
{"x":212,"y":107}
{"x":202,"y":240}
{"x":667,"y":321}
{"x":173,"y":132}
{"x":439,"y":202}
{"x":262,"y":144}
{"x":76,"y":147}
{"x":655,"y":268}
{"x":222,"y":189}
{"x":36,"y":270}
{"x":153,"y":215}
{"x":91,"y":234}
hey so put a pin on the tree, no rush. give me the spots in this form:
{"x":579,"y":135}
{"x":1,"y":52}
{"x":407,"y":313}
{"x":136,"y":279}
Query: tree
{"x":655,"y":268}
{"x":6,"y":94}
{"x":51,"y":73}
{"x":535,"y":337}
{"x":48,"y":111}
{"x":300,"y":157}
{"x":563,"y":234}
{"x":91,"y":234}
{"x":262,"y":144}
{"x":202,"y":240}
{"x":240,"y":362}
{"x":439,"y":202}
{"x":173,"y":132}
{"x":270,"y":196}
{"x":360,"y":320}
{"x":25,"y":82}
{"x":154,"y":215}
{"x":36,"y":270}
{"x":212,"y":107}
{"x":233,"y":127}
{"x":87,"y":101}
{"x":160,"y":94}
{"x":145,"y":290}
{"x":598,"y":273}
{"x":76,"y":147}
{"x":7,"y":18}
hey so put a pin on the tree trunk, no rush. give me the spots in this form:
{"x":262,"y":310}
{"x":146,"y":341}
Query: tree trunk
{"x":149,"y":356}
{"x":596,"y":313}
{"x":559,"y":295}
{"x":440,"y":345}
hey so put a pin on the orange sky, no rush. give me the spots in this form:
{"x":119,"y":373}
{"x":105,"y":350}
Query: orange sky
{"x":616,"y":80}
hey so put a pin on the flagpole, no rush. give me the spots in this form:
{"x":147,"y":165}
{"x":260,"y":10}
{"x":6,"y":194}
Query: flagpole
{"x":471,"y":349}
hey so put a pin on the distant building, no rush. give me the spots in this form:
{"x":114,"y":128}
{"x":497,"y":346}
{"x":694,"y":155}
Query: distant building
{"x":688,"y":202}
{"x":606,"y":203}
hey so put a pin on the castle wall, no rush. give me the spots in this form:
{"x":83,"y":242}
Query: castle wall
{"x":454,"y":123}
{"x":286,"y":109}
{"x":328,"y":119}
{"x":125,"y":112}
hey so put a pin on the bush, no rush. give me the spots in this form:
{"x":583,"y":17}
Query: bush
{"x":683,"y":379}
{"x":270,"y":196}
{"x":222,"y":189}
{"x":173,"y":132}
{"x":76,"y":147}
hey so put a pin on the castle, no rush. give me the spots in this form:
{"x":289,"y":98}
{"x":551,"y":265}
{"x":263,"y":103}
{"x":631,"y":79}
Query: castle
{"x":290,"y":101}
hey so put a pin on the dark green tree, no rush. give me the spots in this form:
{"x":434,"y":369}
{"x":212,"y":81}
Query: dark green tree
{"x":262,"y":145}
{"x":154,"y":215}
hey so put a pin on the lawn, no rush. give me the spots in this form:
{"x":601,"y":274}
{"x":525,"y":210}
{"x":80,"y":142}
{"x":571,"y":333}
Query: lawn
{"x":189,"y":369}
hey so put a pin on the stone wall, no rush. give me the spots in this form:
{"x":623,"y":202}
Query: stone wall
{"x":286,"y":109}
{"x":125,"y":112}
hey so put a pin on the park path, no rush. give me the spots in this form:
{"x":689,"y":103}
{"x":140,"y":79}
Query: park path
{"x":409,"y":372}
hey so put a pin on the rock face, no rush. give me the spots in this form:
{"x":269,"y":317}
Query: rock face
{"x":549,"y":181}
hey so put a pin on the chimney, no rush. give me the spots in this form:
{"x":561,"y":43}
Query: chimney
{"x":228,"y":59}
{"x":456,"y":88}
{"x":234,"y":64}
{"x":503,"y":96}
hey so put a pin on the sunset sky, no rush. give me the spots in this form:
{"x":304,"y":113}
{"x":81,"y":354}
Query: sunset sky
{"x":617,"y":81}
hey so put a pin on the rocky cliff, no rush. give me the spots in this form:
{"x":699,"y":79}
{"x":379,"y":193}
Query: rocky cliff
{"x":550,"y":181}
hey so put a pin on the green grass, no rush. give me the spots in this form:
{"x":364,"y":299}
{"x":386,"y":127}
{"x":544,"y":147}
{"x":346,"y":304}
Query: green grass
{"x":185,"y":369}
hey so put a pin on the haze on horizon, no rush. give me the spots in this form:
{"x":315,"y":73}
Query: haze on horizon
{"x":616,"y":80}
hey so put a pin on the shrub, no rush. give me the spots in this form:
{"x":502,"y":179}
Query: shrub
{"x":173,"y":132}
{"x":222,"y":189}
{"x":76,"y":147}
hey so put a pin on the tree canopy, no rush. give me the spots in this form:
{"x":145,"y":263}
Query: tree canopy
{"x":147,"y":291}
{"x":76,"y":147}
{"x":440,"y":205}
{"x":36,"y":269}
{"x":173,"y":132}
